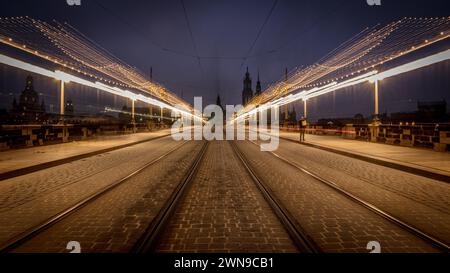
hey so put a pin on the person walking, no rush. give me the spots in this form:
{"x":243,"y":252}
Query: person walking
{"x":302,"y":125}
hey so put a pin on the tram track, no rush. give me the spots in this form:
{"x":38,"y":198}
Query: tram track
{"x":21,"y":238}
{"x":435,"y":242}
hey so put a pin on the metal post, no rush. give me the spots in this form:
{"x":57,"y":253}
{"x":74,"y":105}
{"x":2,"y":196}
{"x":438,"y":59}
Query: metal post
{"x":305,"y":109}
{"x":61,"y":102}
{"x":132,"y":111}
{"x":375,"y":126}
{"x":286,"y":110}
{"x":133,"y":121}
{"x":161,"y":114}
{"x":376,"y":99}
{"x":286,"y":87}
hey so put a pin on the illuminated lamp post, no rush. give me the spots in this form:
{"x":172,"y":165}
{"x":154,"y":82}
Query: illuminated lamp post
{"x":133,"y":121}
{"x":375,"y":126}
{"x":305,"y":108}
{"x":63,"y":80}
{"x":161,"y":116}
{"x":376,"y":117}
{"x":61,"y":101}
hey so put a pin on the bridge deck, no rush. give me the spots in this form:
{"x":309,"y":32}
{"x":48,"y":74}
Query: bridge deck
{"x":14,"y":160}
{"x":417,"y":158}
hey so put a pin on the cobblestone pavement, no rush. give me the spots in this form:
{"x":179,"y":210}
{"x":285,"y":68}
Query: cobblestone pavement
{"x":27,"y":200}
{"x":223,"y":211}
{"x":21,"y":158}
{"x":116,"y":220}
{"x":426,"y":159}
{"x":334,"y":222}
{"x":417,"y":200}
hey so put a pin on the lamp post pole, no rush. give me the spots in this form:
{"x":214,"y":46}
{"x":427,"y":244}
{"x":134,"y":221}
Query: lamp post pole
{"x":61,"y":101}
{"x":133,"y":121}
{"x":376,"y":100}
{"x":132,"y":111}
{"x":375,"y":126}
{"x":305,"y":108}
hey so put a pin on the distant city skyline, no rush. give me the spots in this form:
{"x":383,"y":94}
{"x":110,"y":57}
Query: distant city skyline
{"x":297,"y":33}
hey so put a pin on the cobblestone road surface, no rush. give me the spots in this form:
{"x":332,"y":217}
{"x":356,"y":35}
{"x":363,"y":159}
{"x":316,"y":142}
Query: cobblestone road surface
{"x":116,"y":220}
{"x":417,"y":200}
{"x":223,"y":211}
{"x":333,"y":221}
{"x":27,"y":200}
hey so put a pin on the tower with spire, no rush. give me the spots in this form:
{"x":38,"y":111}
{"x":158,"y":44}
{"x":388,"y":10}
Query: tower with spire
{"x":28,"y":109}
{"x":258,"y":87}
{"x":219,"y":102}
{"x":247,"y":92}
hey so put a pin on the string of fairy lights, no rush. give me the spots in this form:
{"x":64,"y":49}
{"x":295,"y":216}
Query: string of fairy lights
{"x":356,"y":60}
{"x":66,"y":47}
{"x":360,"y":56}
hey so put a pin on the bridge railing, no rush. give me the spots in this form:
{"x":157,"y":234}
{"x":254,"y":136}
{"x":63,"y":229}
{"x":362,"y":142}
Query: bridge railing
{"x":28,"y":135}
{"x":432,"y":136}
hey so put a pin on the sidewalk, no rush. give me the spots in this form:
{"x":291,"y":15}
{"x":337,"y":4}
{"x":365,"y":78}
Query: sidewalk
{"x":416,"y":160}
{"x":17,"y":162}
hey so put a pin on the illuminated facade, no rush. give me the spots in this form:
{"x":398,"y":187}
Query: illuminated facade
{"x":28,"y":110}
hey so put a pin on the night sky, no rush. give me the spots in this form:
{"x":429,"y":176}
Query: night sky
{"x":147,"y":33}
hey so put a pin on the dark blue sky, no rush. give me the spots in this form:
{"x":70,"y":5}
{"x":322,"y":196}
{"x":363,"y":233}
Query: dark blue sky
{"x":148,"y":33}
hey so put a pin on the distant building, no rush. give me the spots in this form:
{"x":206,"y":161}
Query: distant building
{"x":427,"y":112}
{"x":432,"y":111}
{"x":69,"y":109}
{"x":219,"y":103}
{"x":258,"y":87}
{"x":28,"y":110}
{"x":337,"y":122}
{"x":291,"y":116}
{"x":144,"y":114}
{"x":247,"y":92}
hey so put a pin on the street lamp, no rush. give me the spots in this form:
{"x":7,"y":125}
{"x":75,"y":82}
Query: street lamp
{"x":376,"y":99}
{"x":305,"y":109}
{"x":62,"y":77}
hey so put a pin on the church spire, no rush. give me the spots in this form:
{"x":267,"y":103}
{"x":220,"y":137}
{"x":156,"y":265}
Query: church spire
{"x":219,"y":101}
{"x":258,"y":87}
{"x":247,"y":92}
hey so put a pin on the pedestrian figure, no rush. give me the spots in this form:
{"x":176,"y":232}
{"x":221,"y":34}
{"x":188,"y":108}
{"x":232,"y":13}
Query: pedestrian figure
{"x":302,"y":125}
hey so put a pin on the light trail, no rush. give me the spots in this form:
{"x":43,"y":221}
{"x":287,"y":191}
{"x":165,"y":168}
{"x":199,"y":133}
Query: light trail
{"x":65,"y":46}
{"x":364,"y":52}
{"x":108,"y":109}
{"x":62,"y":76}
{"x":436,"y":58}
{"x":334,"y":86}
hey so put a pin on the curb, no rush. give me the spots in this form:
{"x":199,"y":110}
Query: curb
{"x":392,"y":165}
{"x":46,"y":165}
